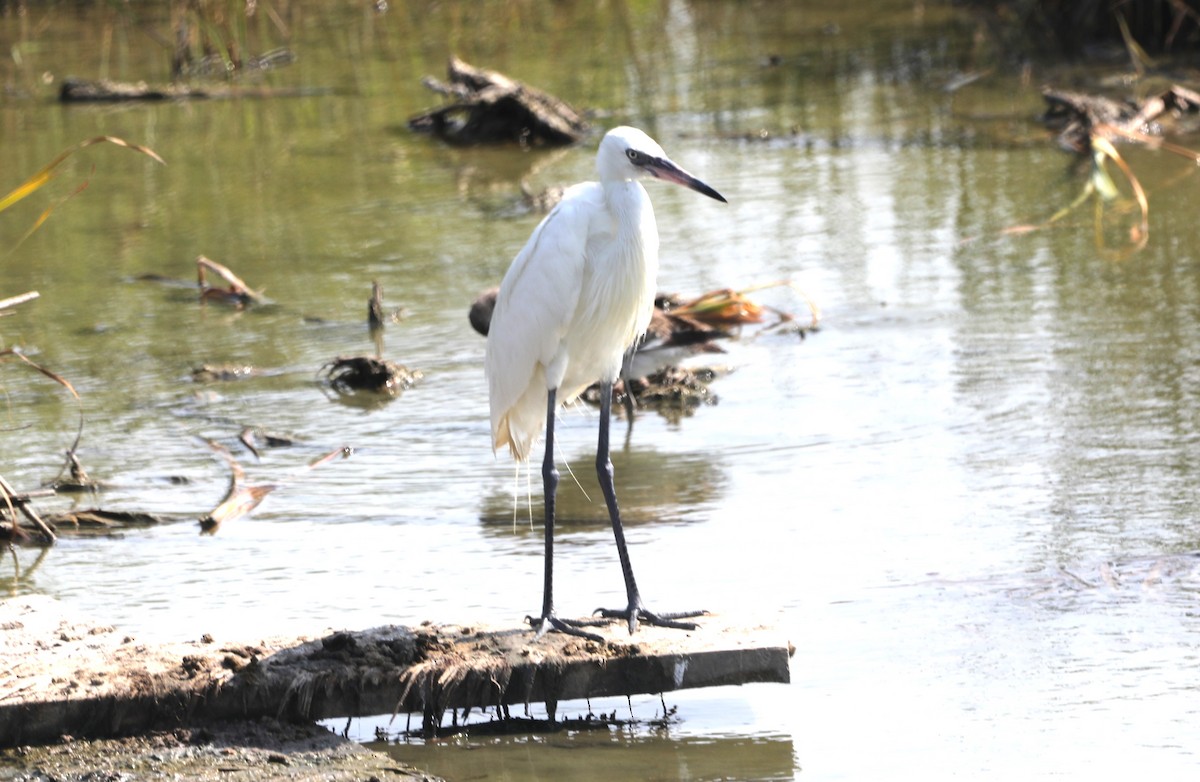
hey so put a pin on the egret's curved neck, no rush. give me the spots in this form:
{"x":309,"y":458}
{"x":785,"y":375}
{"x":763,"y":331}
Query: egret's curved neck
{"x":627,"y":200}
{"x":633,"y":222}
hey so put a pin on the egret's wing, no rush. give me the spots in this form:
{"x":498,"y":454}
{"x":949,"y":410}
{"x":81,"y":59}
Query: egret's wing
{"x":534,"y":307}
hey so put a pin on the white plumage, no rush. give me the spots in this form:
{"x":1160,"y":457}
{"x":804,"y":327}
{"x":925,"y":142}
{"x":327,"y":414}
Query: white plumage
{"x":576,"y":297}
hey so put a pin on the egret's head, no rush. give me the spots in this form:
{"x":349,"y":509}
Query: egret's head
{"x":628,"y":153}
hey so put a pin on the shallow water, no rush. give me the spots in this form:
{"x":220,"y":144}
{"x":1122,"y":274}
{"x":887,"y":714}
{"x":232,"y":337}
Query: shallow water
{"x":969,"y":499}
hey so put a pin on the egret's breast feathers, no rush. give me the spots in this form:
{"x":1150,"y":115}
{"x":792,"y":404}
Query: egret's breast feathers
{"x":576,"y":297}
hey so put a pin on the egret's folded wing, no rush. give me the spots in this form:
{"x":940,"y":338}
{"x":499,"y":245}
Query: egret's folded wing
{"x":534,"y":307}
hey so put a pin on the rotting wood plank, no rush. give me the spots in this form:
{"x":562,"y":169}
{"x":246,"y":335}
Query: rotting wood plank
{"x":60,"y":677}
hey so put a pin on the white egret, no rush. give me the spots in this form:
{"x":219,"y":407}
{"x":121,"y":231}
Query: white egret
{"x":575,"y":298}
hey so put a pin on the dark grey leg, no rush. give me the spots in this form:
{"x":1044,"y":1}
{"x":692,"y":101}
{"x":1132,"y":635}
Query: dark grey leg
{"x":635,"y":611}
{"x":626,"y":380}
{"x":548,"y":621}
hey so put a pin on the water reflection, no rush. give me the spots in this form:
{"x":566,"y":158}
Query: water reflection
{"x":653,"y":487}
{"x":617,"y":755}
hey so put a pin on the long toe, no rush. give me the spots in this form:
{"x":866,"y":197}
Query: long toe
{"x":669,"y":620}
{"x":551,"y":623}
{"x":635,"y":614}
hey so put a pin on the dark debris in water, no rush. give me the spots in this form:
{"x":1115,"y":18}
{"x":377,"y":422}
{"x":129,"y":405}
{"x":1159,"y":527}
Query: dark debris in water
{"x":103,"y":520}
{"x":83,"y":522}
{"x":673,"y":392}
{"x":1078,"y":116}
{"x":490,"y":108}
{"x":348,"y":375}
{"x":214,"y":373}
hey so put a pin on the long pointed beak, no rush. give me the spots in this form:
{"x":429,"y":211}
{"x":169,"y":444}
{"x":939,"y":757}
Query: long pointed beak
{"x":665,"y":169}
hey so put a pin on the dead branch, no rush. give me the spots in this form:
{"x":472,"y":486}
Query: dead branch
{"x":16,"y":502}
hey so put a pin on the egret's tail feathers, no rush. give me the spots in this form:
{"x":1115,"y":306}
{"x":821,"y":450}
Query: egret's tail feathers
{"x":519,"y":447}
{"x":520,"y":425}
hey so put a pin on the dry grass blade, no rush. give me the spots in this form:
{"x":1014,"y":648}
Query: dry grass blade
{"x":725,"y":306}
{"x":47,"y":172}
{"x":45,"y":215}
{"x":1101,"y":185}
{"x":239,"y":500}
{"x":1154,"y":142}
{"x":345,"y":451}
{"x":730,"y":307}
{"x":1137,"y":55}
{"x":1103,"y":149}
{"x":57,"y":378}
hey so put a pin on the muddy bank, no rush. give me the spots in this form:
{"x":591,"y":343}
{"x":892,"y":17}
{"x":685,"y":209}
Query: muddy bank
{"x":235,"y":751}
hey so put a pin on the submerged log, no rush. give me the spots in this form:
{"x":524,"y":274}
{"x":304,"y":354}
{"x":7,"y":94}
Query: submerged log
{"x":491,"y":108}
{"x":71,"y":678}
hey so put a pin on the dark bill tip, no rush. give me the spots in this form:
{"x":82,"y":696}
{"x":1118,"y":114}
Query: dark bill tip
{"x":665,"y":169}
{"x":700,"y":187}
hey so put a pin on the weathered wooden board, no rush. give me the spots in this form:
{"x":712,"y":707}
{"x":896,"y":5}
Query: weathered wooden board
{"x":61,"y":677}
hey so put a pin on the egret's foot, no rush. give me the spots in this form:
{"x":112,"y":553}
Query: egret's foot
{"x":635,"y":613}
{"x":550,"y":622}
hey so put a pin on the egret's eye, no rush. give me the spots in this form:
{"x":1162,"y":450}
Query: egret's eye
{"x":635,"y":157}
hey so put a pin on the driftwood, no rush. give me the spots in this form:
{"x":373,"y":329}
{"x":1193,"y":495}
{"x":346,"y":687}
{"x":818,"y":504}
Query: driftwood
{"x":491,"y":108}
{"x":1078,"y":116}
{"x":63,"y":677}
{"x":75,"y":90}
